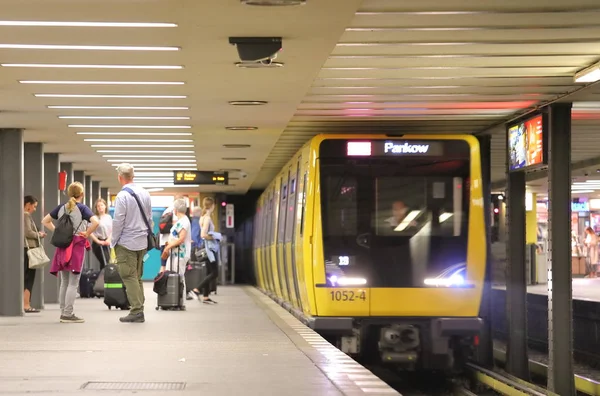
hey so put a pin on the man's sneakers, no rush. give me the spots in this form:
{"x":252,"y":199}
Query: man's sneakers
{"x":133,"y":318}
{"x":70,"y":319}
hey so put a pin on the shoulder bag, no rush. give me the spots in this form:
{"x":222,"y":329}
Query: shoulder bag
{"x":37,"y":256}
{"x":152,"y":239}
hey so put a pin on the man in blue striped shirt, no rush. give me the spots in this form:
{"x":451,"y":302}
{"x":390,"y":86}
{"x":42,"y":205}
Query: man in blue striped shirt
{"x":130,"y":240}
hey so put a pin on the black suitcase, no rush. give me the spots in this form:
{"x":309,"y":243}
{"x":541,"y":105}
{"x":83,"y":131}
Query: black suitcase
{"x":194,"y":274}
{"x":86,"y":283}
{"x":173,"y":299}
{"x":99,"y":284}
{"x":114,"y":289}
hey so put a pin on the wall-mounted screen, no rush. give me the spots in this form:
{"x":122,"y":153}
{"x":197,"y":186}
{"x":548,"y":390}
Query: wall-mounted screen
{"x":526,"y":143}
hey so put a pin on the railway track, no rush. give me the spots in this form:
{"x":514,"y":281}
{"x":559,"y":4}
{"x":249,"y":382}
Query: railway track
{"x":476,"y":381}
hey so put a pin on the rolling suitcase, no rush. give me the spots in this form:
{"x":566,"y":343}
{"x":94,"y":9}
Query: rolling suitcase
{"x":86,"y":283}
{"x":173,"y":298}
{"x":194,"y":274}
{"x":99,"y":284}
{"x":114,"y":290}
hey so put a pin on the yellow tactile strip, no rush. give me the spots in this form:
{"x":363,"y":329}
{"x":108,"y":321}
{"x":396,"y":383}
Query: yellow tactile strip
{"x":349,"y":377}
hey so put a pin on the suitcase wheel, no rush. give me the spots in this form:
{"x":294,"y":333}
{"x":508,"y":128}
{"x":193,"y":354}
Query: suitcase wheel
{"x":109,"y":307}
{"x":157,"y":308}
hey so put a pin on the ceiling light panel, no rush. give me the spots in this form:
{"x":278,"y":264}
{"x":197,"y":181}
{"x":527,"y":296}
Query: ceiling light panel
{"x":148,"y":156}
{"x":89,"y":24}
{"x":124,"y":118}
{"x":134,"y":126}
{"x":86,"y":47}
{"x":111,"y":96}
{"x":153,"y":160}
{"x":65,"y":66}
{"x":120,"y":107}
{"x":143,"y":146}
{"x":163,"y":134}
{"x":67,"y":82}
{"x":141,"y":140}
{"x":121,"y":152}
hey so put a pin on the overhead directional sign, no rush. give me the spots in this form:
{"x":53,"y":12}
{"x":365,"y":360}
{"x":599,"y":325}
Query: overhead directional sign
{"x":200,"y":177}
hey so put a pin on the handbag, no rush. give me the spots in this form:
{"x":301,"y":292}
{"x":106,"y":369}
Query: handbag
{"x":37,"y":256}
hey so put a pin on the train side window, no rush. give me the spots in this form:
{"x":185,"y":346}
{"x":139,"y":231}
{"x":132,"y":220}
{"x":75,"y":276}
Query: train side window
{"x":303,"y":197}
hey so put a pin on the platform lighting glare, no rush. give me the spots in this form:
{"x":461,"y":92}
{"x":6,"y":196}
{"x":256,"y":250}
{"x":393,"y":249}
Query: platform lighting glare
{"x":588,"y":75}
{"x":121,"y":107}
{"x":123,"y":118}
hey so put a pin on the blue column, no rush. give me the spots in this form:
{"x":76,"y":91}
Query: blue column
{"x":11,"y":226}
{"x":34,"y":185}
{"x":52,"y":198}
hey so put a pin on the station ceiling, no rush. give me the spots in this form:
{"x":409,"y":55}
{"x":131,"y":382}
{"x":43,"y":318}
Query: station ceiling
{"x":428,"y":66}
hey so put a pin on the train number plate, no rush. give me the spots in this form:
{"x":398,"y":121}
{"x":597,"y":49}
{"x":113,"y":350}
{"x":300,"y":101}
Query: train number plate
{"x":348,"y":295}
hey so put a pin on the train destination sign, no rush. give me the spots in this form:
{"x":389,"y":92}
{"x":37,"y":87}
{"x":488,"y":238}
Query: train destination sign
{"x":395,"y":148}
{"x":200,"y":177}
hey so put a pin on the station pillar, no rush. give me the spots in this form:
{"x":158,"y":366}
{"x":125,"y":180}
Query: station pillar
{"x":51,"y":200}
{"x":516,"y":275}
{"x":104,"y":194}
{"x":34,"y":185}
{"x":88,"y":196}
{"x":560,"y":290}
{"x":95,"y":193}
{"x":11,"y":227}
{"x":485,"y":351}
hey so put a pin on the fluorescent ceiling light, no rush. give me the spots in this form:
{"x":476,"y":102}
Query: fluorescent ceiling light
{"x":166,"y":185}
{"x":148,"y":156}
{"x":589,"y":74}
{"x":146,"y":151}
{"x":124,"y":118}
{"x":133,"y":126}
{"x":162,"y":169}
{"x":163,"y":134}
{"x":153,"y":160}
{"x":141,"y":140}
{"x":86,"y":47}
{"x":143,"y":145}
{"x":88,"y":24}
{"x":151,"y":190}
{"x":581,"y":191}
{"x":111,"y":96}
{"x":159,"y":174}
{"x":160,"y":165}
{"x":67,"y":82}
{"x":122,"y":107}
{"x":65,"y":66}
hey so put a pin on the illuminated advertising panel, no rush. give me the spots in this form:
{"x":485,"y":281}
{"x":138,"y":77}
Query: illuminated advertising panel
{"x":526,"y":144}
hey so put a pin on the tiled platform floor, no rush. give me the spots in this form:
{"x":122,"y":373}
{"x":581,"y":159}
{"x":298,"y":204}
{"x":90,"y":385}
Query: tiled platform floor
{"x":245,"y":345}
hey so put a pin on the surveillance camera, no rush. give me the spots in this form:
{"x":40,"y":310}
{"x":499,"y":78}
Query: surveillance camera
{"x":243,"y":175}
{"x":256,"y":49}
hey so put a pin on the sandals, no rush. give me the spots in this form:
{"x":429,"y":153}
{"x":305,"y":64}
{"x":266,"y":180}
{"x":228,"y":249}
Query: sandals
{"x":31,"y":310}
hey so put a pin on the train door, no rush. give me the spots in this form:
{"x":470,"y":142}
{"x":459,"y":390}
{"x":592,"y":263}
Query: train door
{"x":289,"y":231}
{"x":281,"y":259}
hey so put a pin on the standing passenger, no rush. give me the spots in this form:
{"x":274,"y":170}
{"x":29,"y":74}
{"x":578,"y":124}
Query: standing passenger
{"x":207,"y":232}
{"x":130,"y":240}
{"x":69,"y":261}
{"x":32,"y":240}
{"x":101,"y":237}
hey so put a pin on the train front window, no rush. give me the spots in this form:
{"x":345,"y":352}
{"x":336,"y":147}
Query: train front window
{"x":394,"y":222}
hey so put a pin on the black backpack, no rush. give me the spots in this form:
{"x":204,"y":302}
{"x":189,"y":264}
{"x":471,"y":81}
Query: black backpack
{"x":64,"y":231}
{"x":165,"y":223}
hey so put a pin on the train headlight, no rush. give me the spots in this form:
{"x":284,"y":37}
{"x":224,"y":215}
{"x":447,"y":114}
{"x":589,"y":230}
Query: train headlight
{"x":455,"y":280}
{"x":335,"y":280}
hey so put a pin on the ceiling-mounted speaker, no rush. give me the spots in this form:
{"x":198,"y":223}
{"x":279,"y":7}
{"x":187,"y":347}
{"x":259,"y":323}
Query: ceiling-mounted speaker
{"x":257,"y":49}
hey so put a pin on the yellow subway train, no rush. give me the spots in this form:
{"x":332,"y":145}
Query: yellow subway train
{"x":379,"y":244}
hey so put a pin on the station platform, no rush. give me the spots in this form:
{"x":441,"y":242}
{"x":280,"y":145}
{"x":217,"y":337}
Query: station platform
{"x":246,"y":344}
{"x":585,"y":289}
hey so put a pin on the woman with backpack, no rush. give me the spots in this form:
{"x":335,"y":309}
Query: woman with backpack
{"x":70,"y":237}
